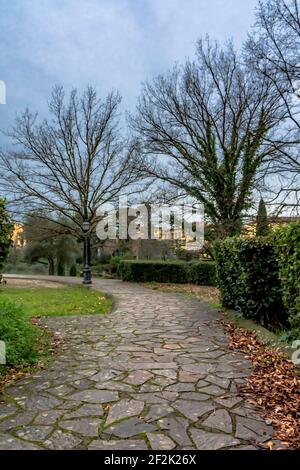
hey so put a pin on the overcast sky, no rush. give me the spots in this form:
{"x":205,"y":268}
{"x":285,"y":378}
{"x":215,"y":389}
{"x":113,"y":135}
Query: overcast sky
{"x":107,"y":43}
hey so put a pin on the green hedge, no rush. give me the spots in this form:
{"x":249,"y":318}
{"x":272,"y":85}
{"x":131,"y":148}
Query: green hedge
{"x":73,"y":270}
{"x":201,"y":273}
{"x":248,"y":277}
{"x":287,"y":246}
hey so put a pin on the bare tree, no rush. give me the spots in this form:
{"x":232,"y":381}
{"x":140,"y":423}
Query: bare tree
{"x":273,"y":49}
{"x":205,"y":128}
{"x":66,"y":167}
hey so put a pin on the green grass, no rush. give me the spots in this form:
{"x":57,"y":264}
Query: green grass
{"x":61,"y":301}
{"x":22,"y":339}
{"x":27,"y":345}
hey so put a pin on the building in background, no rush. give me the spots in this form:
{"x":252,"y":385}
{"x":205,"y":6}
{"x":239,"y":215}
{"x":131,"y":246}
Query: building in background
{"x":18,"y":236}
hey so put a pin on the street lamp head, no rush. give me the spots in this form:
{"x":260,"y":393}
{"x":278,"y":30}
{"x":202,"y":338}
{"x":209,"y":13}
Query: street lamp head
{"x":86,"y":226}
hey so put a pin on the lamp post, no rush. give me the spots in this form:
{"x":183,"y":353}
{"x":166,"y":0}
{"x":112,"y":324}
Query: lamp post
{"x":87,"y":273}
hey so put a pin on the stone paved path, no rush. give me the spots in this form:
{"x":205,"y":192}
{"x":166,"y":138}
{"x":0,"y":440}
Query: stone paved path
{"x":153,"y":374}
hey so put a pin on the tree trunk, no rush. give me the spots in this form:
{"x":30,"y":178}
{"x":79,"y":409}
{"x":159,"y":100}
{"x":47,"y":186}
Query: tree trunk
{"x":51,"y":266}
{"x":229,"y":228}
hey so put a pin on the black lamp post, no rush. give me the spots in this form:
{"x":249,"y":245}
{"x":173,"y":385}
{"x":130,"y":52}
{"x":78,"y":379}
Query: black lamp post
{"x":87,"y":273}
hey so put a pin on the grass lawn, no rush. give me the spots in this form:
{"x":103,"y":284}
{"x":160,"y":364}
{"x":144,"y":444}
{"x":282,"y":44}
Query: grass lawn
{"x":60,"y":301}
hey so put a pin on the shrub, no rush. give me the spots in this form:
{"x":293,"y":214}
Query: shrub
{"x":6,"y":232}
{"x":100,"y":269}
{"x":60,"y":269}
{"x":287,"y":246}
{"x":262,"y":226}
{"x":248,"y":277}
{"x":115,"y":263}
{"x":73,"y":270}
{"x":21,"y":338}
{"x":201,"y":273}
{"x":148,"y":271}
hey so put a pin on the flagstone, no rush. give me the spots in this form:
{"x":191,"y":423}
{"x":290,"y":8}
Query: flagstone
{"x":94,"y":396}
{"x":124,"y":409}
{"x":128,"y":444}
{"x":159,"y":441}
{"x":48,"y":417}
{"x":176,"y":429}
{"x":210,"y":441}
{"x":138,"y":377}
{"x":8,"y":442}
{"x":155,"y":373}
{"x":34,"y":433}
{"x":129,"y":428}
{"x":84,"y":426}
{"x":62,"y":441}
{"x":193,"y":410}
{"x":85,"y":410}
{"x":219,"y":419}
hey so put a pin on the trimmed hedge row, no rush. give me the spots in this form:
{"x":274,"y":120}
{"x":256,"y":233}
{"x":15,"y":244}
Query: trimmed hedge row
{"x":201,"y":273}
{"x":260,"y":277}
{"x":248,"y":278}
{"x":287,"y":247}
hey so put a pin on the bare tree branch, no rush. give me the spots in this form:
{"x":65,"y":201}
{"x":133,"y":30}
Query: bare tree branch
{"x":205,"y":128}
{"x":66,"y":167}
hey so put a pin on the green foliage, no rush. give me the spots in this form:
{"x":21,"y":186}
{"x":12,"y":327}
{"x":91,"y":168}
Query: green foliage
{"x":148,"y":271}
{"x":6,"y":231}
{"x":21,"y":338}
{"x":201,"y":272}
{"x":73,"y":270}
{"x":61,"y":269}
{"x":287,"y":246}
{"x":248,"y":277}
{"x":115,"y":263}
{"x":289,"y":336}
{"x":262,"y":226}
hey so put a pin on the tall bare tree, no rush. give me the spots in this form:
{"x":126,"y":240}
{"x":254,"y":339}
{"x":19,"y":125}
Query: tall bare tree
{"x":204,"y":127}
{"x":66,"y":167}
{"x":273,"y":49}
